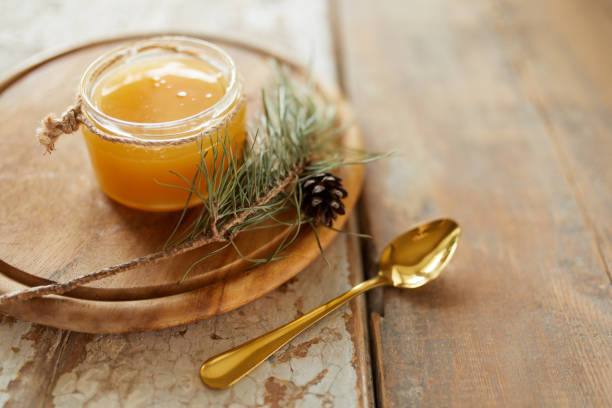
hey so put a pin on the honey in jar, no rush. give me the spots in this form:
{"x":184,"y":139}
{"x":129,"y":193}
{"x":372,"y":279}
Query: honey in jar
{"x":160,"y":101}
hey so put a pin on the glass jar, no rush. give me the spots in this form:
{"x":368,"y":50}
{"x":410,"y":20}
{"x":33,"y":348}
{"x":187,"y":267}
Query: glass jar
{"x":133,"y":160}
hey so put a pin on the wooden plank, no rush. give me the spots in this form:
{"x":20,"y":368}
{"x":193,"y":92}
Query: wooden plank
{"x":522,"y":315}
{"x":327,"y":365}
{"x":565,"y":73}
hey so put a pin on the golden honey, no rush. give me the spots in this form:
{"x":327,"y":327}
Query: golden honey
{"x":156,"y":106}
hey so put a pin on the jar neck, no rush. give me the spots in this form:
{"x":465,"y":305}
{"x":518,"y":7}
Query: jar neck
{"x":188,"y":127}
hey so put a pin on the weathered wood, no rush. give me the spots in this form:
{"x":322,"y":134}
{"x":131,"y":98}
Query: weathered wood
{"x":565,"y":74}
{"x":501,"y":114}
{"x":324,"y":366}
{"x":26,"y":352}
{"x":161,"y":367}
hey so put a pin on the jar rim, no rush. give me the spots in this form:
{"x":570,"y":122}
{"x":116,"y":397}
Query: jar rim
{"x":180,"y":45}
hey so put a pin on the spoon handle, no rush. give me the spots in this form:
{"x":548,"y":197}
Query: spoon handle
{"x":227,"y":368}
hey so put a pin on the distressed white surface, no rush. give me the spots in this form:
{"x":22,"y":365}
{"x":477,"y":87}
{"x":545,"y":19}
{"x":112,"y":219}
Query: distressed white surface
{"x":15,"y":350}
{"x":51,"y":367}
{"x":162,"y":367}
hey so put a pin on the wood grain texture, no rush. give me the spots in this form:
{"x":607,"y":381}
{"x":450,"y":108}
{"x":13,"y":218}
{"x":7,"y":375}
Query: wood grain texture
{"x":324,"y":366}
{"x":501,"y":115}
{"x":565,"y":72}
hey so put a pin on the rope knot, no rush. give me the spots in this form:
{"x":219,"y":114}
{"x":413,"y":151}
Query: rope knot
{"x":52,"y":128}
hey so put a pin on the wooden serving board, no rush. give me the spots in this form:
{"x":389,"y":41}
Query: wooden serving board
{"x":55,"y":224}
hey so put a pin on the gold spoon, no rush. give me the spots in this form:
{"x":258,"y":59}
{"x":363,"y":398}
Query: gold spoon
{"x":411,"y":260}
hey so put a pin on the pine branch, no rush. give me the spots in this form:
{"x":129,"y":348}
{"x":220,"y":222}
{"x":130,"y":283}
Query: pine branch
{"x":222,"y":235}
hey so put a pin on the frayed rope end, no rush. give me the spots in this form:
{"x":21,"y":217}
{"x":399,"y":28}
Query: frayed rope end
{"x":52,"y":128}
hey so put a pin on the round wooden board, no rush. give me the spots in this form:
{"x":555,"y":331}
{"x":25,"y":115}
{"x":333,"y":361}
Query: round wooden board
{"x":56,"y":224}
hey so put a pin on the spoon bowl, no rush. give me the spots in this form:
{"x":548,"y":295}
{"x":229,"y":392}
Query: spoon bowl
{"x":418,"y":256}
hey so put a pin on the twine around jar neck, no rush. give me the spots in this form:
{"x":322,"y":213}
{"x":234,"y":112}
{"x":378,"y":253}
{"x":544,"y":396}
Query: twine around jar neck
{"x":69,"y":122}
{"x":83,"y":113}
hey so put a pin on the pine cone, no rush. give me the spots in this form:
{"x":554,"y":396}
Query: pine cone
{"x":322,"y":196}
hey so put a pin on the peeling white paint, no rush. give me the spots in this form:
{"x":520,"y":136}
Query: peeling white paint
{"x":15,"y":351}
{"x":161,"y":368}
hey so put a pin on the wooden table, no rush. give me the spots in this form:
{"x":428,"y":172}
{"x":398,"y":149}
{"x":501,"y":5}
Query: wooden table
{"x":501,"y":113}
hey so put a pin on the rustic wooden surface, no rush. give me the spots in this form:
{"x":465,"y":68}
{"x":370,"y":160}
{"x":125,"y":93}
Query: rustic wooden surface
{"x":501,"y":113}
